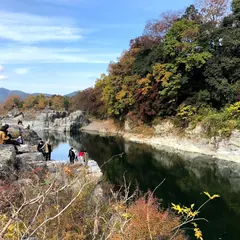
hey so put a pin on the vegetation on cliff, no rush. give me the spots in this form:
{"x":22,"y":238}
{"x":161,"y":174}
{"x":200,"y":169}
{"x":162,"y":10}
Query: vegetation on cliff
{"x":184,"y":66}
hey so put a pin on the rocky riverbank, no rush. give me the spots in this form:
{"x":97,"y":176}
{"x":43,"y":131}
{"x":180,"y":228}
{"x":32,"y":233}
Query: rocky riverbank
{"x":49,"y":120}
{"x":25,"y":158}
{"x":164,"y":136}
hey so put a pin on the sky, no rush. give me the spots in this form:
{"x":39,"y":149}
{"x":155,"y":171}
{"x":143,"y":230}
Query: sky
{"x":61,"y":46}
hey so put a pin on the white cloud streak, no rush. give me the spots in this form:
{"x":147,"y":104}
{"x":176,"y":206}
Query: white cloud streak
{"x":1,"y":68}
{"x":29,"y":28}
{"x":3,"y":77}
{"x":21,"y":71}
{"x":30,"y":55}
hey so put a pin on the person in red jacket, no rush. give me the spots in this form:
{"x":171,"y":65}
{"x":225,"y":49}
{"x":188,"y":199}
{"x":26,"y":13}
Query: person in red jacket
{"x":81,"y":156}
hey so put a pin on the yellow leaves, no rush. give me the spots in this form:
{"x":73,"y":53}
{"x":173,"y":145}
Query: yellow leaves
{"x":120,"y":95}
{"x":211,"y":197}
{"x":177,"y":208}
{"x":185,"y":210}
{"x":198,"y":233}
{"x":145,"y":84}
{"x":166,"y":78}
{"x":126,"y":215}
{"x":10,"y":227}
{"x":163,"y":73}
{"x":14,"y":230}
{"x":188,"y":214}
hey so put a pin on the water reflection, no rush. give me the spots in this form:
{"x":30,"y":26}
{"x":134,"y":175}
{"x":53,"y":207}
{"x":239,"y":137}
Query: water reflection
{"x":187,"y":175}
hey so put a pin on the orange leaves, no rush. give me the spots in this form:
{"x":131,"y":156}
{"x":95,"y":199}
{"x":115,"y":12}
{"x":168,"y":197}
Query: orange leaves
{"x":145,"y":219}
{"x":68,"y":171}
{"x":12,"y":102}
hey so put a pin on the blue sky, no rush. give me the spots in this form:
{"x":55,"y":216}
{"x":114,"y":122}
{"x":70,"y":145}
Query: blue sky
{"x":60,"y":46}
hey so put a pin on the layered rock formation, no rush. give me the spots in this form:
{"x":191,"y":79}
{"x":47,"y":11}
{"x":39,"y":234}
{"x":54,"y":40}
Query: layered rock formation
{"x":20,"y":158}
{"x":59,"y":121}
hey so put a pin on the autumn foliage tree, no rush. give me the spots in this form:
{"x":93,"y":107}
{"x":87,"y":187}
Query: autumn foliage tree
{"x":212,"y":10}
{"x":12,"y":102}
{"x":182,"y":59}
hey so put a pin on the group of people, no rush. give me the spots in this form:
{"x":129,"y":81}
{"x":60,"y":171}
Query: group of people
{"x":45,"y":149}
{"x":6,"y":137}
{"x":81,"y":156}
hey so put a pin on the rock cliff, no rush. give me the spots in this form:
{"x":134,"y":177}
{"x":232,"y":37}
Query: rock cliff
{"x":14,"y":160}
{"x":59,"y":121}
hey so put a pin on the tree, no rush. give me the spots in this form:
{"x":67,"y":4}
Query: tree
{"x":12,"y":102}
{"x":157,"y":28}
{"x":236,"y":6}
{"x":212,"y":10}
{"x":192,"y":13}
{"x":29,"y":102}
{"x":181,"y":45}
{"x":124,"y":65}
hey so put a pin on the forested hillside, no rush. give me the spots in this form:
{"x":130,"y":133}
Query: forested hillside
{"x":185,"y":65}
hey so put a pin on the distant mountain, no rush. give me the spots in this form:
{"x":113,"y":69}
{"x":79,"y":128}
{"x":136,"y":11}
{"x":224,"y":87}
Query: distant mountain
{"x":71,"y":94}
{"x":4,"y":93}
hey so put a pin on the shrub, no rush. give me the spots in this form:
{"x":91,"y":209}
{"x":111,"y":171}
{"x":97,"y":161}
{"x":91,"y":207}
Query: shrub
{"x":234,"y":110}
{"x":148,"y":221}
{"x":212,"y":124}
{"x":184,"y":115}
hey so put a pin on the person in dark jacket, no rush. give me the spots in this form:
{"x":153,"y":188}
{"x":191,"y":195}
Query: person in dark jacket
{"x":71,"y":155}
{"x":40,"y":147}
{"x":50,"y":150}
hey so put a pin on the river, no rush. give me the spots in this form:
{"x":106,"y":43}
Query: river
{"x":185,"y":177}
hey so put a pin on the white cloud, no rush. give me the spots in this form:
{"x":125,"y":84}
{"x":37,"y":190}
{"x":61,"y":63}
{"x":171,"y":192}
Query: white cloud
{"x":28,"y":28}
{"x":30,"y":55}
{"x":21,"y":71}
{"x":3,"y":77}
{"x":1,"y":68}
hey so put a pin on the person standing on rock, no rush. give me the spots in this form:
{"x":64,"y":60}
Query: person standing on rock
{"x":47,"y":149}
{"x":40,"y":147}
{"x":50,"y":150}
{"x":71,"y":155}
{"x":85,"y":157}
{"x":80,"y":156}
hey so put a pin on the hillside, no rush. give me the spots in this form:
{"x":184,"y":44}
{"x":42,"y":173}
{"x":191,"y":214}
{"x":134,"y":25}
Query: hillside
{"x":4,"y":93}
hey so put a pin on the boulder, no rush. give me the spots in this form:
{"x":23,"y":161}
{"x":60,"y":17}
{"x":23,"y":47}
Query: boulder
{"x":25,"y":148}
{"x":7,"y":161}
{"x":28,"y":161}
